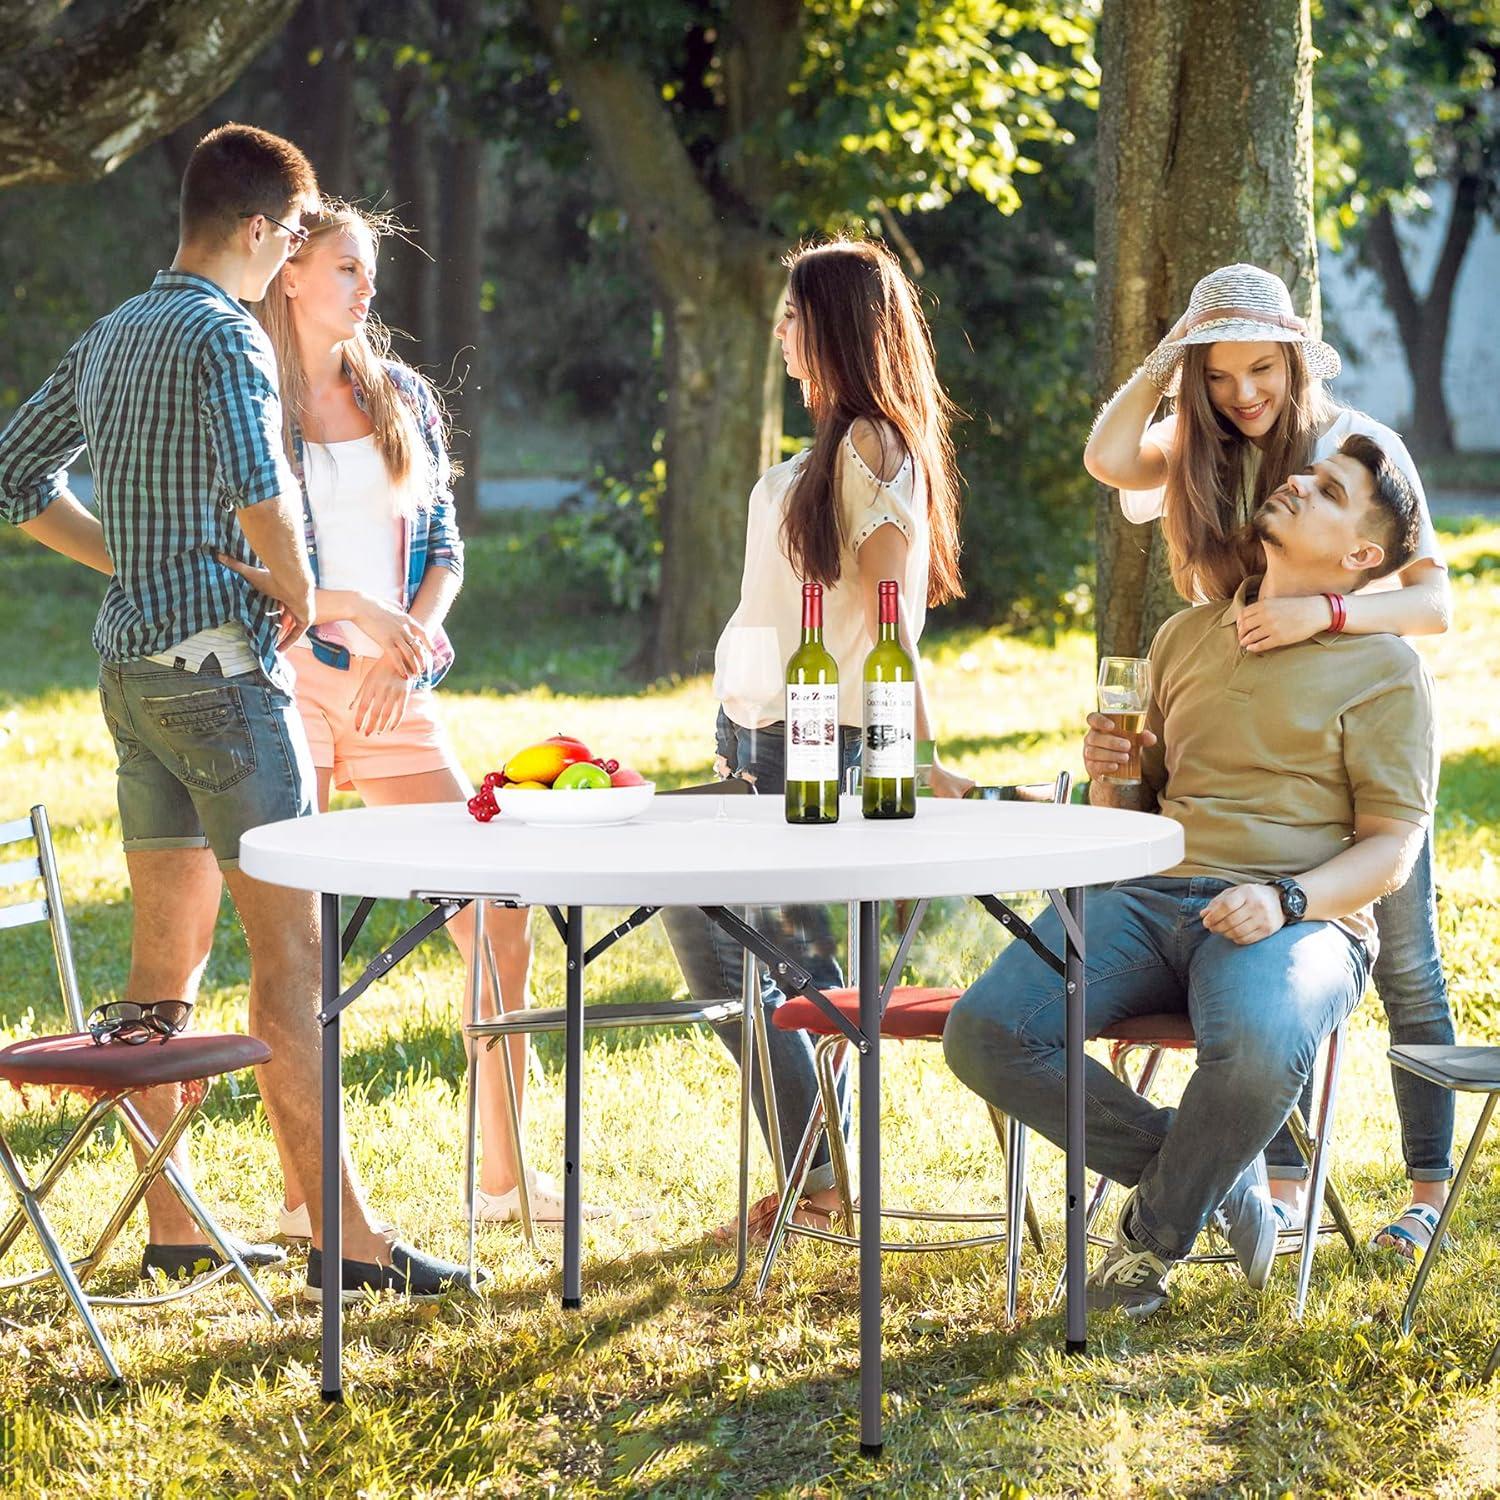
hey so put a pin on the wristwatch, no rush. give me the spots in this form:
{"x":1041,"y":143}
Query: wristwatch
{"x":1293,"y":899}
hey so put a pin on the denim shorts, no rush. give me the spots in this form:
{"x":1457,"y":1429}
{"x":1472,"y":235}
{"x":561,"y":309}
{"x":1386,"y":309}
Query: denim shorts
{"x":202,"y":757}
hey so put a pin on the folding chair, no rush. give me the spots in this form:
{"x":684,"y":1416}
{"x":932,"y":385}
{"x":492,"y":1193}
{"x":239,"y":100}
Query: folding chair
{"x":1155,"y":1035}
{"x":908,"y":1013}
{"x":494,"y":1029}
{"x":108,"y":1077}
{"x":1469,"y":1070}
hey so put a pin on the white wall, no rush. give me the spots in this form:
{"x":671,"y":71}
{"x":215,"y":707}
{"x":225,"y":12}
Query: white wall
{"x":1375,"y":378}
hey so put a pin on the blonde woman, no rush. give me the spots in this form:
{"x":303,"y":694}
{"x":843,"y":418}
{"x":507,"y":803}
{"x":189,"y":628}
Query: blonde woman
{"x":1250,"y":409}
{"x":366,"y":436}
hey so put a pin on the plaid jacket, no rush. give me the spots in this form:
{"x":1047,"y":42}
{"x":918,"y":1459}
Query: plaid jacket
{"x":175,"y":396}
{"x":430,"y":540}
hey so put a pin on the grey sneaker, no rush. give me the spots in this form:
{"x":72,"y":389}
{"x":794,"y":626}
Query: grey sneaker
{"x":1247,"y":1219}
{"x":1130,"y":1277}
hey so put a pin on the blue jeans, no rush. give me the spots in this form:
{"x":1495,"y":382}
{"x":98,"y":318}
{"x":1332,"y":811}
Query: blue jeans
{"x":712,"y":962}
{"x":202,"y":758}
{"x":1260,"y":1013}
{"x":1414,"y":992}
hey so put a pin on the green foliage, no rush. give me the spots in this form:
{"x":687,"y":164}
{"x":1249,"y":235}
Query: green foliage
{"x":907,"y":104}
{"x":608,"y":542}
{"x":68,"y":255}
{"x":1405,"y":98}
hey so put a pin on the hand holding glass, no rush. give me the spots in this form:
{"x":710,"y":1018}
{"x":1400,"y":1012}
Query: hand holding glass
{"x":1125,"y":695}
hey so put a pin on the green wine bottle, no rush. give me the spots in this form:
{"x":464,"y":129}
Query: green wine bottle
{"x":812,"y":721}
{"x":890,"y":771}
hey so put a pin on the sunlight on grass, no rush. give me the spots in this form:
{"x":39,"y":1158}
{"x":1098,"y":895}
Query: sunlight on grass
{"x":656,"y":1388}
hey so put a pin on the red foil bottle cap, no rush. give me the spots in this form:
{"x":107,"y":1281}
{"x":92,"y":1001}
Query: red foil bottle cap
{"x":888,"y":595}
{"x":812,"y":606}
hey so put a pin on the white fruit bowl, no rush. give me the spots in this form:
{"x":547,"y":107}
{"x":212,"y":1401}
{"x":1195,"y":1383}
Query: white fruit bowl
{"x":578,"y":807}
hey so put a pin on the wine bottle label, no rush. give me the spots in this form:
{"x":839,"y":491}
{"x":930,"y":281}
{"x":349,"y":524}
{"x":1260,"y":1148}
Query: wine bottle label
{"x":812,"y":732}
{"x":890,"y":729}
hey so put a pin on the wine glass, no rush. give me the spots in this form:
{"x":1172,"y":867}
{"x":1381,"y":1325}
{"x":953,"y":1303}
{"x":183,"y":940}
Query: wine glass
{"x":1125,"y":695}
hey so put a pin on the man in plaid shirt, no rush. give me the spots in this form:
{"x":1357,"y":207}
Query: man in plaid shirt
{"x":175,"y":397}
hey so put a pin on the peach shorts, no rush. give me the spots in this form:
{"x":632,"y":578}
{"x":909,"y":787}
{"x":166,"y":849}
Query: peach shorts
{"x":325,"y":699}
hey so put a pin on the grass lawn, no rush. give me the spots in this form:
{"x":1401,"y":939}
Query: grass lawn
{"x":655,"y":1388}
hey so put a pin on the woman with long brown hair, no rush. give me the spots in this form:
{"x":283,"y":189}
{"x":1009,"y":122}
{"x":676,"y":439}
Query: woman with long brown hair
{"x":366,"y":436}
{"x":874,"y":497}
{"x":1250,"y":410}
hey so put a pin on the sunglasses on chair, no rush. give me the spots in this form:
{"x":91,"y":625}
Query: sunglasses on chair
{"x":134,"y":1022}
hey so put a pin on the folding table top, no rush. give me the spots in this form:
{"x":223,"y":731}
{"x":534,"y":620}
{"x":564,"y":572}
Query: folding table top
{"x":698,"y":851}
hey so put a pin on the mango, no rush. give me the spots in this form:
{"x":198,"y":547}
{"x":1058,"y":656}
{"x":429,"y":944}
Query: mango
{"x":528,"y":786}
{"x":544,"y":762}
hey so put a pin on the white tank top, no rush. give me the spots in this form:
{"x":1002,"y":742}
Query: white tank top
{"x":357,"y":522}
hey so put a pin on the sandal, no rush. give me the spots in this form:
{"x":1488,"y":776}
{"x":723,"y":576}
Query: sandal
{"x":1410,"y":1236}
{"x":763,"y":1216}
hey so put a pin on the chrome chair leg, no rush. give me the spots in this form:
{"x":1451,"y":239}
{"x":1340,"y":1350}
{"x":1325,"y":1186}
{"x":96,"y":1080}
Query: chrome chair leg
{"x":1426,"y":1262}
{"x":1304,"y":1142}
{"x":59,"y":1163}
{"x":512,"y":1103}
{"x":1015,"y":1200}
{"x":57,"y":1258}
{"x":829,"y":1060}
{"x":801,"y":1166}
{"x":1313,"y":1217}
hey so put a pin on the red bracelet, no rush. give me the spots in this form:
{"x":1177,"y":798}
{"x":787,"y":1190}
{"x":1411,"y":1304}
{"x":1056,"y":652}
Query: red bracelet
{"x":1336,"y":609}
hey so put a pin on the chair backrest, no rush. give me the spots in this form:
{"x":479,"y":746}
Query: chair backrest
{"x":26,"y":870}
{"x":1057,"y":791}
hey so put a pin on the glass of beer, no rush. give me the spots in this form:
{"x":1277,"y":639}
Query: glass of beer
{"x":1124,"y":695}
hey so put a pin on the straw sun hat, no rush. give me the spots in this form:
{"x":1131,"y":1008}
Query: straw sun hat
{"x":1240,"y":304}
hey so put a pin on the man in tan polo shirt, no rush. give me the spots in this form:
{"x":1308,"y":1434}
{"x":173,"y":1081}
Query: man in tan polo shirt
{"x":1303,"y":779}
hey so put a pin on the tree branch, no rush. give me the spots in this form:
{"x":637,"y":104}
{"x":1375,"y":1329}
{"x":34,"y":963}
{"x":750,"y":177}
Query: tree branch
{"x":1462,"y":218}
{"x":622,"y":111}
{"x":97,"y":80}
{"x":1384,"y":252}
{"x":761,"y":55}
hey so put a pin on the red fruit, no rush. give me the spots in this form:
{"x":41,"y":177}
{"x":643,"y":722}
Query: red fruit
{"x":610,"y":765}
{"x":625,"y":776}
{"x":568,"y":742}
{"x":485,"y":814}
{"x":493,"y":779}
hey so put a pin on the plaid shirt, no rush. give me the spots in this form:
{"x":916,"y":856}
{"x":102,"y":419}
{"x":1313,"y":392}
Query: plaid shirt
{"x":430,"y":539}
{"x":175,"y":396}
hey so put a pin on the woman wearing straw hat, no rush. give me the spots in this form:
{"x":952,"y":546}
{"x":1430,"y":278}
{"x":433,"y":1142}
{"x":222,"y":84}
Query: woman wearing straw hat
{"x":1250,"y":409}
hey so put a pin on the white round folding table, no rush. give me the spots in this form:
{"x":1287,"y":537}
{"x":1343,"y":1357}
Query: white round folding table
{"x":712,"y":853}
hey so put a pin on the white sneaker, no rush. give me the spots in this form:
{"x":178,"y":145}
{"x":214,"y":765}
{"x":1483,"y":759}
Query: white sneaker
{"x":546,"y":1196}
{"x":294,"y":1223}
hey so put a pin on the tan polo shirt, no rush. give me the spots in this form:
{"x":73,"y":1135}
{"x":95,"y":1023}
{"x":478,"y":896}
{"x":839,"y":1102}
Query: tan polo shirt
{"x":1265,"y":758}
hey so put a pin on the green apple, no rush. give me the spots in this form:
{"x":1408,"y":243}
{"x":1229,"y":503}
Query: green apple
{"x":584,"y":776}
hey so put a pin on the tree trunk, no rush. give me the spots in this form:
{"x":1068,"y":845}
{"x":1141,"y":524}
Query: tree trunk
{"x":1205,"y":157}
{"x":459,"y":276}
{"x":1423,"y":323}
{"x":460,"y":264}
{"x":723,"y":428}
{"x":84,"y":86}
{"x":406,"y":277}
{"x":715,"y":276}
{"x":315,"y":85}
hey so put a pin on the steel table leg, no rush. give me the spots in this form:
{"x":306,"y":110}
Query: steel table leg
{"x":1077,"y":1228}
{"x":871,"y":1438}
{"x":572,"y":1295}
{"x":333,"y":1155}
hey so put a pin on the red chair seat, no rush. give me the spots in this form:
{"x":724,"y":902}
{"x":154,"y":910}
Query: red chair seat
{"x":78,"y":1062}
{"x":912,"y":1013}
{"x":1170,"y":1029}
